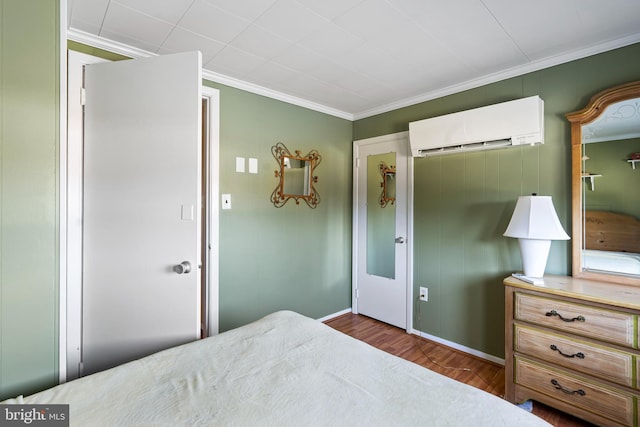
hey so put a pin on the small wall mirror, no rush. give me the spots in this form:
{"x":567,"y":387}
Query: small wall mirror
{"x":296,"y":176}
{"x":605,"y":143}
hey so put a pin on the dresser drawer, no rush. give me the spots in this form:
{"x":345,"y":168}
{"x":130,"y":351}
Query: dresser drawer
{"x":607,"y":325}
{"x":589,"y":358}
{"x":608,"y":402}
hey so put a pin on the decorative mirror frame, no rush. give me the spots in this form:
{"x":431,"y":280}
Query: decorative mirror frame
{"x":279,"y":198}
{"x":595,"y":107}
{"x":385,"y":171}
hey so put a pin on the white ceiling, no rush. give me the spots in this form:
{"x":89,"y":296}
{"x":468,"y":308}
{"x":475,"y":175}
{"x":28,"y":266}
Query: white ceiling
{"x":357,"y":58}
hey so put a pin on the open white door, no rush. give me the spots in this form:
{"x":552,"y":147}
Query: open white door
{"x":142,"y":169}
{"x":381,"y":234}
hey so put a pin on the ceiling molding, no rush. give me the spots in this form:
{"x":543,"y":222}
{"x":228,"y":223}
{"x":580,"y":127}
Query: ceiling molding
{"x":502,"y":75}
{"x":260,"y":90}
{"x":131,"y":52}
{"x":106,"y":44}
{"x":120,"y":48}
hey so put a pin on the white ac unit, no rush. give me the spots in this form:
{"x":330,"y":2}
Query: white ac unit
{"x":506,"y":124}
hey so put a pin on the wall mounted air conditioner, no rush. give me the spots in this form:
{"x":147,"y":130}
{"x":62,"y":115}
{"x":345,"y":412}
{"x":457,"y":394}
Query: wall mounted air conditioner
{"x":506,"y":124}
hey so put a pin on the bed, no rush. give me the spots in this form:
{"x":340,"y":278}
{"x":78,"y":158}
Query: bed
{"x":612,"y":242}
{"x":284,"y":369}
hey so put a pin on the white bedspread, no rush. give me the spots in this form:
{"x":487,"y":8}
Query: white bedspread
{"x":284,"y":370}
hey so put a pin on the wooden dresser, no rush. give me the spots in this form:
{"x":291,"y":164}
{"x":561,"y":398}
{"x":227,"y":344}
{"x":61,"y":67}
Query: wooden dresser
{"x":573,"y":345}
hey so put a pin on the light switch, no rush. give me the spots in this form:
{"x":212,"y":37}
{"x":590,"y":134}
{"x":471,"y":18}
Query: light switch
{"x":187,"y":213}
{"x":253,"y":165}
{"x":226,"y":201}
{"x":240,"y":164}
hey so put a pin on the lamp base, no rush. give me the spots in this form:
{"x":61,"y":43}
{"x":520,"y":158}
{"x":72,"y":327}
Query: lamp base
{"x":534,"y":256}
{"x":538,"y":281}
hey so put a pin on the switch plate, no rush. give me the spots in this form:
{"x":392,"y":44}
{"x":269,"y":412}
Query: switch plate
{"x":253,"y":165}
{"x":186,"y":213}
{"x":424,"y":294}
{"x":226,"y":201}
{"x":240,"y":164}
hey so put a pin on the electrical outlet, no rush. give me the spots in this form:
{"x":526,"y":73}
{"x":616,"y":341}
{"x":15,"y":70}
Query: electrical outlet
{"x":226,"y":201}
{"x":424,"y":294}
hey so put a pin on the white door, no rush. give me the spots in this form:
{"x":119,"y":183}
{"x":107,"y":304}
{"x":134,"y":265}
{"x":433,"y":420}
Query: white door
{"x":142,"y":169}
{"x":380,"y":229}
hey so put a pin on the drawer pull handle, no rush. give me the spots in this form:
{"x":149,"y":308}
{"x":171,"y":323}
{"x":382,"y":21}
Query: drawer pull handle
{"x":555,"y":313}
{"x":579,"y":355}
{"x":557,"y":385}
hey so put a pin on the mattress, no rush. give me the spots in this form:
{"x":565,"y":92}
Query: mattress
{"x":283,"y":370}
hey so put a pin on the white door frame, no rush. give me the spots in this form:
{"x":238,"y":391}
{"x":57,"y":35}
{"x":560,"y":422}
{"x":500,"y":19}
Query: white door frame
{"x":213,"y":222}
{"x":62,"y":196}
{"x":401,"y":136}
{"x":70,"y":332}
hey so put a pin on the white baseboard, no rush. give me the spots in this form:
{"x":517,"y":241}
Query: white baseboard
{"x":457,"y":346}
{"x":334,"y":315}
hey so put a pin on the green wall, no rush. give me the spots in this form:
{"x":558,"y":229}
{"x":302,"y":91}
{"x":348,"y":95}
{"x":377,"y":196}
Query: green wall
{"x":29,"y":128}
{"x":463,"y":202}
{"x":292,"y":257}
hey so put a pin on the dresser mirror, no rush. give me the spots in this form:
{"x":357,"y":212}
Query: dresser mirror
{"x":296,"y":177}
{"x":605,"y":151}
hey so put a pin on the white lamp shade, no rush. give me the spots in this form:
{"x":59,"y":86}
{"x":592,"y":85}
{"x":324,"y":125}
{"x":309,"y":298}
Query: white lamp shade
{"x":535,"y":218}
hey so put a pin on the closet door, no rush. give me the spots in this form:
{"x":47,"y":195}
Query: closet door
{"x":142,"y":178}
{"x":381,"y":240}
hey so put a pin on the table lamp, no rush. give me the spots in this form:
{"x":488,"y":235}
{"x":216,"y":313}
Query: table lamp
{"x":535,"y":224}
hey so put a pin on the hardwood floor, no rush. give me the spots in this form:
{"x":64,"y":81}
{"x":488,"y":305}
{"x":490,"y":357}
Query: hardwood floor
{"x":480,"y":373}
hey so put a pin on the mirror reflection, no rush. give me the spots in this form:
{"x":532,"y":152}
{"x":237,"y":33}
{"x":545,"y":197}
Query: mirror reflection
{"x":611,"y":207}
{"x":606,"y":202}
{"x":388,"y":184}
{"x":381,"y":217}
{"x":296,"y":177}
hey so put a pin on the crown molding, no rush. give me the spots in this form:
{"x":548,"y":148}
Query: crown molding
{"x":502,"y":75}
{"x":120,"y":48}
{"x":106,"y":44}
{"x":132,"y":52}
{"x":260,"y":90}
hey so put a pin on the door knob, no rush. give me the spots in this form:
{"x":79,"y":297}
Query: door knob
{"x":183,"y":268}
{"x":399,"y":239}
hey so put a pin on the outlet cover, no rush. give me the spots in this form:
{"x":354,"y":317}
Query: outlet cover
{"x":424,"y":294}
{"x":226,"y":201}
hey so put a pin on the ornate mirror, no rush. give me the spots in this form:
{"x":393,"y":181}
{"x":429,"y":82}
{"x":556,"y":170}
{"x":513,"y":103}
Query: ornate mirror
{"x":296,"y":176}
{"x":605,"y":147}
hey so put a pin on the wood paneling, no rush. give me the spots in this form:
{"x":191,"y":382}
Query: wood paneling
{"x":29,"y":126}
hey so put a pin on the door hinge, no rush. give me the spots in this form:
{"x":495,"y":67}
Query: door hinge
{"x":357,"y":293}
{"x":357,"y":162}
{"x":83,"y":96}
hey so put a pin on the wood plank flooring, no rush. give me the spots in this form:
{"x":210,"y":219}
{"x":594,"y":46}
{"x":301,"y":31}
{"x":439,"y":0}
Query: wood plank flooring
{"x":480,"y":373}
